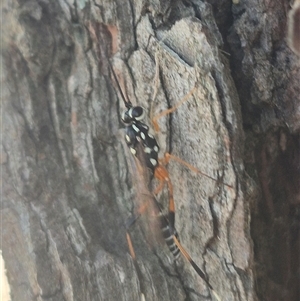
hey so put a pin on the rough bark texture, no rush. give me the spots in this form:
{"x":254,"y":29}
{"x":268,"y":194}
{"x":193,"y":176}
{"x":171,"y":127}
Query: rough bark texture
{"x":69,"y":181}
{"x":267,"y":76}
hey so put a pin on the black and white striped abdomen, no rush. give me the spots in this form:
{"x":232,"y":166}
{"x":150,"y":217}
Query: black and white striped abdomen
{"x":168,"y":235}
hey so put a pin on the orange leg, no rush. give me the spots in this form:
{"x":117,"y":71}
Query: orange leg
{"x":171,"y":110}
{"x":162,"y":175}
{"x":194,"y":265}
{"x":191,"y":167}
{"x":139,"y":273}
{"x":168,"y":156}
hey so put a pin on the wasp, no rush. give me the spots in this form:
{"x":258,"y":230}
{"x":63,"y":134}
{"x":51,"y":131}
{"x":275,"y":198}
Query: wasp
{"x":144,"y":147}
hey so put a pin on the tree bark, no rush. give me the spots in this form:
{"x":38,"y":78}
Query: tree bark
{"x":70,"y":182}
{"x":267,"y":77}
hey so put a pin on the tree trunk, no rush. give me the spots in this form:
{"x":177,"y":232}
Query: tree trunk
{"x":70,"y":182}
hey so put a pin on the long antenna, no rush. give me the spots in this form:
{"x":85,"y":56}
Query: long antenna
{"x":127,"y":103}
{"x":103,"y":49}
